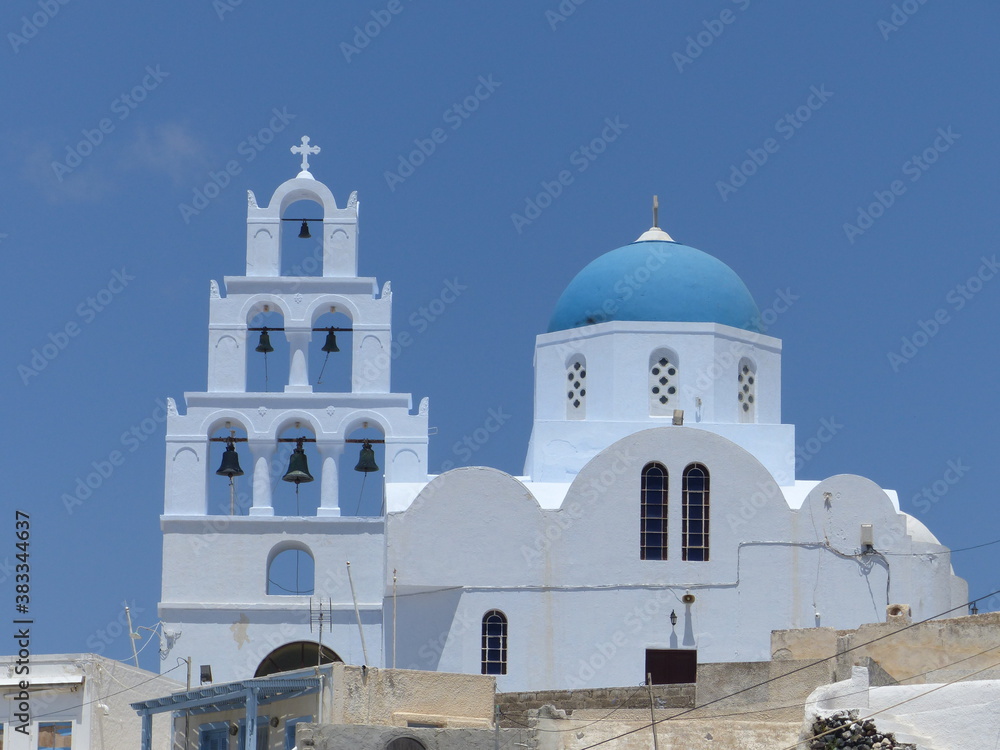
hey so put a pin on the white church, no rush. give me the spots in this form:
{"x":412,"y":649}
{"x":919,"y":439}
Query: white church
{"x":658,"y":522}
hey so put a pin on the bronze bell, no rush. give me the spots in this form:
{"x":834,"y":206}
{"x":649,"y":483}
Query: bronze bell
{"x":331,"y":343}
{"x":366,"y":461}
{"x":230,"y":463}
{"x":264,"y":345}
{"x":304,"y":231}
{"x":298,"y":467}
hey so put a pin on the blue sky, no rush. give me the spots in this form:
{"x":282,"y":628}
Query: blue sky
{"x":840,"y":157}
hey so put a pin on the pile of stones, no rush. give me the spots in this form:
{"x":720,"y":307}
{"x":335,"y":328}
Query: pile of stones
{"x":844,"y":730}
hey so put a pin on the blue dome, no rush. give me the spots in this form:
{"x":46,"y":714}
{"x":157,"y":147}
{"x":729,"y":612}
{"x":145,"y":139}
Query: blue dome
{"x":656,"y":281}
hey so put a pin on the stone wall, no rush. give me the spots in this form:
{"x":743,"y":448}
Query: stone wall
{"x":352,"y":737}
{"x":399,"y":697}
{"x":515,"y":707}
{"x":932,"y":651}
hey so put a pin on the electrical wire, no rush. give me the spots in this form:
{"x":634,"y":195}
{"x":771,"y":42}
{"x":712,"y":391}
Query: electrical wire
{"x":109,"y":695}
{"x":794,"y":671}
{"x":945,"y":552}
{"x":759,"y":710}
{"x":582,"y":726}
{"x":895,"y":705}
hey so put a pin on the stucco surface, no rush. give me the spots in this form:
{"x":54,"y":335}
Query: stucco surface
{"x":934,"y":651}
{"x":395,"y":696}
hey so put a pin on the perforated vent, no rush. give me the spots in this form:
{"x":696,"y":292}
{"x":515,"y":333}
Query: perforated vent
{"x":747,"y":395}
{"x":663,"y":380}
{"x":576,"y":389}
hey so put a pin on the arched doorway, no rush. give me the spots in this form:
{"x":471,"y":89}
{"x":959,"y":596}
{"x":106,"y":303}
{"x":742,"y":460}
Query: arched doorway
{"x":297,"y":655}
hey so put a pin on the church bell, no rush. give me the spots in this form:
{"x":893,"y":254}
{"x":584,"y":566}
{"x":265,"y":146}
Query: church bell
{"x":298,"y":467}
{"x":304,"y":231}
{"x":366,"y":461}
{"x":331,"y":343}
{"x":264,"y":345}
{"x":230,"y":463}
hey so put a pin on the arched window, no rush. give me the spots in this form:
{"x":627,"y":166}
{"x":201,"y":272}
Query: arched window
{"x":747,"y":391}
{"x":494,"y":642}
{"x":291,"y":572}
{"x":297,"y":655}
{"x":576,"y":388}
{"x":694,"y":521}
{"x":405,"y":743}
{"x":653,"y":526}
{"x":663,"y":382}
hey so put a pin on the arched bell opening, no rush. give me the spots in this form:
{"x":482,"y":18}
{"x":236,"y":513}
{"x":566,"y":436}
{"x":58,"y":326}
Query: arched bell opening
{"x":302,"y":239}
{"x":291,"y":570}
{"x":332,"y":352}
{"x":362,"y":471}
{"x":267,"y":351}
{"x":296,"y":472}
{"x":230,"y":467}
{"x":297,"y":655}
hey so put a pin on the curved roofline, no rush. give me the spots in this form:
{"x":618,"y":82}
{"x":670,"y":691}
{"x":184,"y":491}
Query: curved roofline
{"x":656,"y":280}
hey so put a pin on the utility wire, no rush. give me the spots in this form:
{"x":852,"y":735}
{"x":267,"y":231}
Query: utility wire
{"x":582,"y":726}
{"x":787,"y":674}
{"x":759,"y":710}
{"x":109,"y":695}
{"x":894,"y":705}
{"x":945,"y":552}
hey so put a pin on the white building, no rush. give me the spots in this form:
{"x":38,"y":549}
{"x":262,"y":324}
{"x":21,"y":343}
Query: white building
{"x":659,"y":485}
{"x":78,"y":701}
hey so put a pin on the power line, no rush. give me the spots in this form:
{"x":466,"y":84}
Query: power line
{"x":895,"y":705}
{"x":582,"y":726}
{"x":109,"y":695}
{"x":945,"y":552}
{"x":755,"y":711}
{"x":787,"y":674}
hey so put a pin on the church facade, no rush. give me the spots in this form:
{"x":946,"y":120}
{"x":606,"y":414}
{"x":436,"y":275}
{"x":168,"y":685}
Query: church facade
{"x":658,"y":522}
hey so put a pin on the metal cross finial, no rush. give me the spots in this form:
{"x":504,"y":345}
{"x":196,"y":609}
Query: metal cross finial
{"x":656,"y":211}
{"x":305,"y":149}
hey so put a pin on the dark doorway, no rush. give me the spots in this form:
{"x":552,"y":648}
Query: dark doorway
{"x":670,"y":666}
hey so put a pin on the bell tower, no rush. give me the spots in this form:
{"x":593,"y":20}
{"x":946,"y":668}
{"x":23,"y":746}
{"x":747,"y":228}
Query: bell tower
{"x":224,"y":551}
